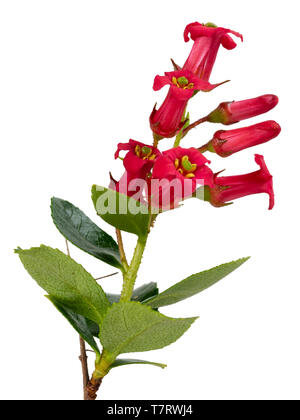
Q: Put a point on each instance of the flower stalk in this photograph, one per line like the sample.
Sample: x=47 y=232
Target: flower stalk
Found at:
x=193 y=125
x=131 y=275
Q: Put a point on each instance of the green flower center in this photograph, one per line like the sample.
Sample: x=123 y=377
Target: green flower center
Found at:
x=182 y=83
x=144 y=152
x=185 y=167
x=210 y=25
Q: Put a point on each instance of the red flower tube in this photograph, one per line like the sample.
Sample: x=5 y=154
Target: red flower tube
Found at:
x=225 y=143
x=167 y=120
x=207 y=41
x=176 y=174
x=232 y=112
x=228 y=188
x=138 y=163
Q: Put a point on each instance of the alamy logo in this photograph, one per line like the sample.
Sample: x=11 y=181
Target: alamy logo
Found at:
x=139 y=196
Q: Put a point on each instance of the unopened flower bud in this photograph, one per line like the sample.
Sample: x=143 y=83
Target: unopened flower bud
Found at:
x=225 y=143
x=232 y=112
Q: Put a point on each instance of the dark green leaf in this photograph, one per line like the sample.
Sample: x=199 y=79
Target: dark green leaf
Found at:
x=133 y=327
x=120 y=211
x=145 y=292
x=193 y=284
x=65 y=280
x=93 y=327
x=123 y=362
x=139 y=295
x=75 y=226
x=79 y=322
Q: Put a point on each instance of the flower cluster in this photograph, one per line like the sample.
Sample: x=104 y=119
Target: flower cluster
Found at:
x=164 y=179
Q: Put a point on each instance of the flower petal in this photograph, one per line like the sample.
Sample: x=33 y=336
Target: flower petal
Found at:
x=160 y=82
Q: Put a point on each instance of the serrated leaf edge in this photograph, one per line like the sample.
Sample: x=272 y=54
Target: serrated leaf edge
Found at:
x=119 y=351
x=165 y=295
x=18 y=251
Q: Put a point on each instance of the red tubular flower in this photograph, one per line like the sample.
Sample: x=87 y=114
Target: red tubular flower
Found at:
x=207 y=41
x=138 y=162
x=140 y=157
x=232 y=112
x=225 y=143
x=167 y=121
x=177 y=172
x=230 y=188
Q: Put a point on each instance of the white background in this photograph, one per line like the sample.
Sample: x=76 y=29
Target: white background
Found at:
x=76 y=78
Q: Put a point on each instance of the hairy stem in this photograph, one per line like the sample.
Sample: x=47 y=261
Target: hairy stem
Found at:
x=131 y=275
x=104 y=362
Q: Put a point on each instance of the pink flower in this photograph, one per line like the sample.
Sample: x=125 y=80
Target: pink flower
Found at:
x=177 y=173
x=207 y=41
x=167 y=121
x=138 y=163
x=225 y=143
x=232 y=112
x=228 y=188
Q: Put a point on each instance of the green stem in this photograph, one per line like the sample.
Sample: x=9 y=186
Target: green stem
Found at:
x=178 y=139
x=104 y=362
x=131 y=275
